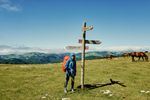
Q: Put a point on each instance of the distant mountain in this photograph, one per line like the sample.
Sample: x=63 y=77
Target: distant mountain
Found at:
x=43 y=58
x=28 y=55
x=31 y=58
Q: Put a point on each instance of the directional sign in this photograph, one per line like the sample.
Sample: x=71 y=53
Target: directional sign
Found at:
x=91 y=41
x=76 y=48
x=87 y=28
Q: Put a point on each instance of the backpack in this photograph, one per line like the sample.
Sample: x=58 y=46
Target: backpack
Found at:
x=66 y=58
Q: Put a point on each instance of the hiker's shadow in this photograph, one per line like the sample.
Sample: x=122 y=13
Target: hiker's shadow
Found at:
x=93 y=86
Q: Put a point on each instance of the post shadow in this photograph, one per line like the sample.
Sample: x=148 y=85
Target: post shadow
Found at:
x=93 y=86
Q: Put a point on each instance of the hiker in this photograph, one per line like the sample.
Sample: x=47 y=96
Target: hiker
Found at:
x=70 y=72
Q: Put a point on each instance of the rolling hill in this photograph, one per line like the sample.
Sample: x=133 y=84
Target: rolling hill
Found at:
x=44 y=58
x=46 y=81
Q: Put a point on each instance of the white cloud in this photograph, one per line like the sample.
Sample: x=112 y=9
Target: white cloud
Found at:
x=20 y=50
x=9 y=6
x=125 y=48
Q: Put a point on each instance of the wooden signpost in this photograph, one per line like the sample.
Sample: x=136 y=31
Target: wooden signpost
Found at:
x=90 y=41
x=83 y=55
x=87 y=28
x=84 y=42
x=83 y=48
x=76 y=48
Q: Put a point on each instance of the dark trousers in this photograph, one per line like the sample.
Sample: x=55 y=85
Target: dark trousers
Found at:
x=67 y=80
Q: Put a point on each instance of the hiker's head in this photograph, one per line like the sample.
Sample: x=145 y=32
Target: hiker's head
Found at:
x=72 y=56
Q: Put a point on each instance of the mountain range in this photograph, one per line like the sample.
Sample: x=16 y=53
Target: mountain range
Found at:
x=28 y=55
x=43 y=58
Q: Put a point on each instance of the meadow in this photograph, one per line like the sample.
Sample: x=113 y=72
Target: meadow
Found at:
x=46 y=81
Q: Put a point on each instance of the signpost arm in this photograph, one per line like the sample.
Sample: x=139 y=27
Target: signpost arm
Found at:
x=83 y=56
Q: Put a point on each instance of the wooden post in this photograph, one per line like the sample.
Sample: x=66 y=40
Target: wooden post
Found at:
x=83 y=56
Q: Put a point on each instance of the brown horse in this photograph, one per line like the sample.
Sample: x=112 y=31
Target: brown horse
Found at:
x=139 y=55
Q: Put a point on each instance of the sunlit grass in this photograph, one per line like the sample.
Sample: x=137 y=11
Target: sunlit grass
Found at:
x=46 y=81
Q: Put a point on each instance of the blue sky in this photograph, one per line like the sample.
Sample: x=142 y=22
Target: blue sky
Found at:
x=57 y=23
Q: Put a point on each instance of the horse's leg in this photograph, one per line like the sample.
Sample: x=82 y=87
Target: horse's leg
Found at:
x=146 y=58
x=143 y=58
x=133 y=59
x=139 y=58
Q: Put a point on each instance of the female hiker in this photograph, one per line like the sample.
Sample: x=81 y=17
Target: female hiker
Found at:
x=70 y=68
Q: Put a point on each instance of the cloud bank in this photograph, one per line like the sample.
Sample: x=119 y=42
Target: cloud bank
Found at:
x=4 y=50
x=126 y=48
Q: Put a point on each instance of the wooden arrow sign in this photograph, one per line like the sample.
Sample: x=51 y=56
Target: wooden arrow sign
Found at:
x=87 y=28
x=76 y=48
x=91 y=41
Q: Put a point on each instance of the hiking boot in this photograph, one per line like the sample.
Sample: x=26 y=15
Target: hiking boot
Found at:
x=65 y=90
x=72 y=90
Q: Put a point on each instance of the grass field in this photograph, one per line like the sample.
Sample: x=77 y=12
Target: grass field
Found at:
x=46 y=81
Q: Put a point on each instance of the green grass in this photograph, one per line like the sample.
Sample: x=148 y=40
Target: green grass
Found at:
x=32 y=82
